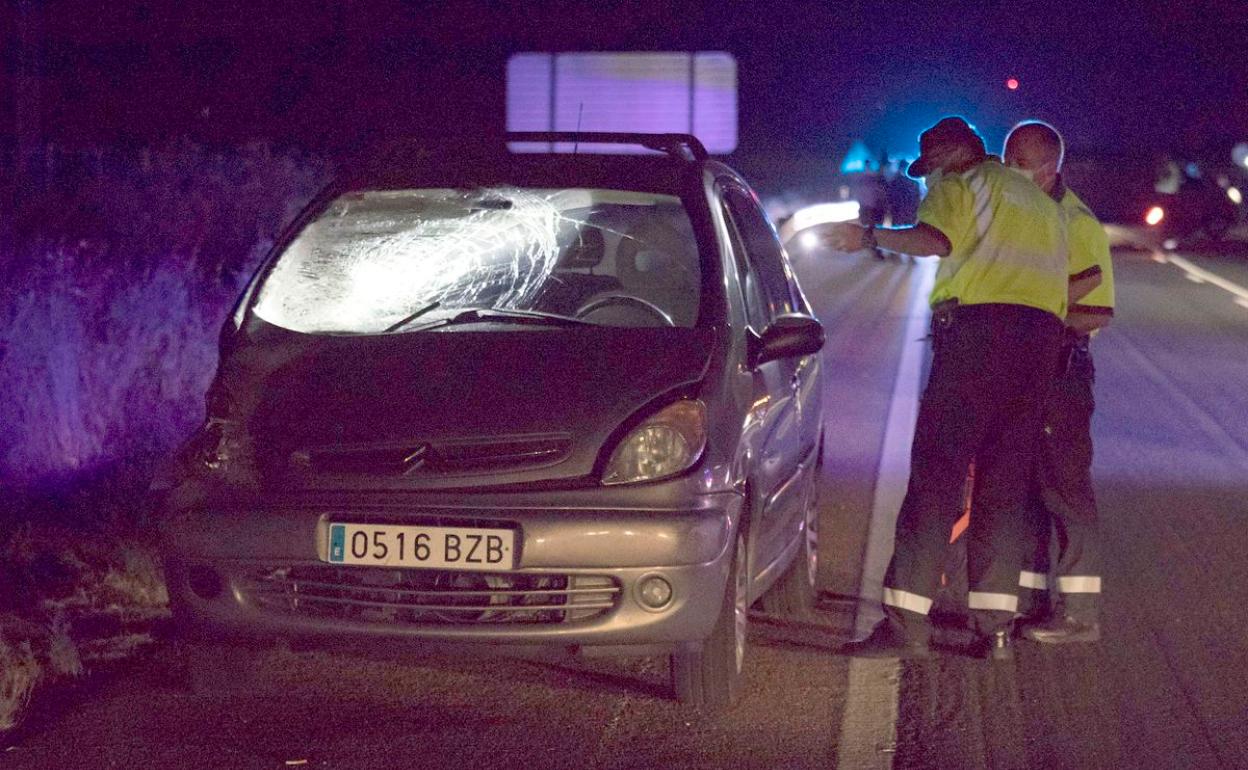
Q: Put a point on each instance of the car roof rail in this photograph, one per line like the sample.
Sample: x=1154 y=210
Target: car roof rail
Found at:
x=684 y=146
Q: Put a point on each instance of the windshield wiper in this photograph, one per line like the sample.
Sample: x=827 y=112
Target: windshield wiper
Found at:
x=473 y=315
x=394 y=327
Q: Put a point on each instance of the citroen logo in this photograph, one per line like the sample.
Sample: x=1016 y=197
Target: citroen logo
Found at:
x=416 y=460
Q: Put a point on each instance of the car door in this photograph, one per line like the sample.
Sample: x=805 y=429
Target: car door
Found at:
x=774 y=475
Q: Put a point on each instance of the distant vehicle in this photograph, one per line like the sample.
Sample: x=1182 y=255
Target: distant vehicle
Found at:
x=544 y=402
x=1183 y=216
x=1191 y=207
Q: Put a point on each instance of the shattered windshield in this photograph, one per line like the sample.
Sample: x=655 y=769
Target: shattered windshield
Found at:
x=400 y=260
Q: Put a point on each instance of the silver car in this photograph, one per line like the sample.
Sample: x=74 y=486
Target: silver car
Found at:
x=545 y=401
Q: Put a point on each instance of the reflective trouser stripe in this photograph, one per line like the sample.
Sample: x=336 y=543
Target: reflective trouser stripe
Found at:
x=904 y=600
x=1036 y=581
x=978 y=600
x=1079 y=584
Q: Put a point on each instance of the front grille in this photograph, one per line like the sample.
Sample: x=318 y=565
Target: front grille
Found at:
x=432 y=597
x=421 y=459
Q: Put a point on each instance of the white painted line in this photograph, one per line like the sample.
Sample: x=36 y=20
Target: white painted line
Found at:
x=869 y=724
x=894 y=468
x=1200 y=275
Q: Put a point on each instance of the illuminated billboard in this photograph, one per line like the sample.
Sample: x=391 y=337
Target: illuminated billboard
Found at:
x=653 y=92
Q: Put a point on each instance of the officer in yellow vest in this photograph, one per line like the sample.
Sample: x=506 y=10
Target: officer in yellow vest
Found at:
x=1062 y=495
x=998 y=302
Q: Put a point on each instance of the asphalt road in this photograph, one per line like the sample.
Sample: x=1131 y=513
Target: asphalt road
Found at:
x=1167 y=686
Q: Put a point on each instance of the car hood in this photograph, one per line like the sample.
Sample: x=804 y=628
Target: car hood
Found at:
x=443 y=409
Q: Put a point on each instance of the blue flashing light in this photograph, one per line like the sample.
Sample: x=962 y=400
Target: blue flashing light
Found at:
x=858 y=159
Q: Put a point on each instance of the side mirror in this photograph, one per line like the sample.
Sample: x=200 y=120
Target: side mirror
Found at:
x=788 y=336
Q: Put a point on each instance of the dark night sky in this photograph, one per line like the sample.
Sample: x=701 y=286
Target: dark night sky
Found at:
x=1125 y=77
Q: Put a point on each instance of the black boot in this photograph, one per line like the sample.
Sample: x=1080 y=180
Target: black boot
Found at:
x=887 y=641
x=1062 y=629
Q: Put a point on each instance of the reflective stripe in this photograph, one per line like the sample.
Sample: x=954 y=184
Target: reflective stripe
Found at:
x=978 y=600
x=1036 y=581
x=1079 y=584
x=904 y=600
x=983 y=202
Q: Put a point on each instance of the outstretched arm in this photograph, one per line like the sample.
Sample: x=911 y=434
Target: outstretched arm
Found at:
x=919 y=240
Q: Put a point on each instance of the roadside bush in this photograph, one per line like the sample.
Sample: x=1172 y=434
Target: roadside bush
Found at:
x=121 y=274
x=115 y=280
x=19 y=673
x=31 y=654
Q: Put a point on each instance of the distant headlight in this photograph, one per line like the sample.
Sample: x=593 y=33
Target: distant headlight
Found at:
x=667 y=443
x=1154 y=216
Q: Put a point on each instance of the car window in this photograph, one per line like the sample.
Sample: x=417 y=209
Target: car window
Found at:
x=375 y=258
x=762 y=249
x=751 y=290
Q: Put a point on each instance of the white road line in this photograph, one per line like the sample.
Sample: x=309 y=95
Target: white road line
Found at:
x=894 y=468
x=869 y=725
x=1200 y=275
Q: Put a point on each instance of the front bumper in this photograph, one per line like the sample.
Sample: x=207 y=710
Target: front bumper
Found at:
x=686 y=545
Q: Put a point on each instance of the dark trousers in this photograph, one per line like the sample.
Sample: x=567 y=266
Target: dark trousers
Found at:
x=991 y=369
x=1062 y=499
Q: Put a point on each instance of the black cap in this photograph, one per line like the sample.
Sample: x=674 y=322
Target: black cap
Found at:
x=951 y=131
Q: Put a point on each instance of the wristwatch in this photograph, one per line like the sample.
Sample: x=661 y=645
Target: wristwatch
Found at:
x=869 y=238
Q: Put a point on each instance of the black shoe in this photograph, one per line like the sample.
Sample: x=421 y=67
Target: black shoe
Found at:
x=885 y=641
x=1062 y=630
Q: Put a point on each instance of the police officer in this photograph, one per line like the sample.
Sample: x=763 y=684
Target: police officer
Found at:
x=998 y=301
x=1062 y=495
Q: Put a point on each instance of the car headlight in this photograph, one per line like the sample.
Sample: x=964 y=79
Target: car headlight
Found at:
x=665 y=444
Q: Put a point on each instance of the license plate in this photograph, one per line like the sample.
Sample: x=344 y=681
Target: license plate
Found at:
x=394 y=545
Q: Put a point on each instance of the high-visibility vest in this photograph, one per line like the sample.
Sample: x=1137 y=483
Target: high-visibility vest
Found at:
x=1007 y=239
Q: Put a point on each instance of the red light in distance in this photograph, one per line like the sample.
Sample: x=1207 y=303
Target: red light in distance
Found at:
x=1012 y=84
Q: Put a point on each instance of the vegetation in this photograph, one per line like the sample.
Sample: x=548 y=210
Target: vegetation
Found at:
x=115 y=279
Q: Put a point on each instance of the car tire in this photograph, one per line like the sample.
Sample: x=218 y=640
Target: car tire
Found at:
x=710 y=678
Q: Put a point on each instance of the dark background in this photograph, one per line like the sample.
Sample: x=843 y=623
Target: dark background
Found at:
x=153 y=150
x=1129 y=79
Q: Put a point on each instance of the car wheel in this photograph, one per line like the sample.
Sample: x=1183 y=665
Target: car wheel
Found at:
x=711 y=677
x=793 y=595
